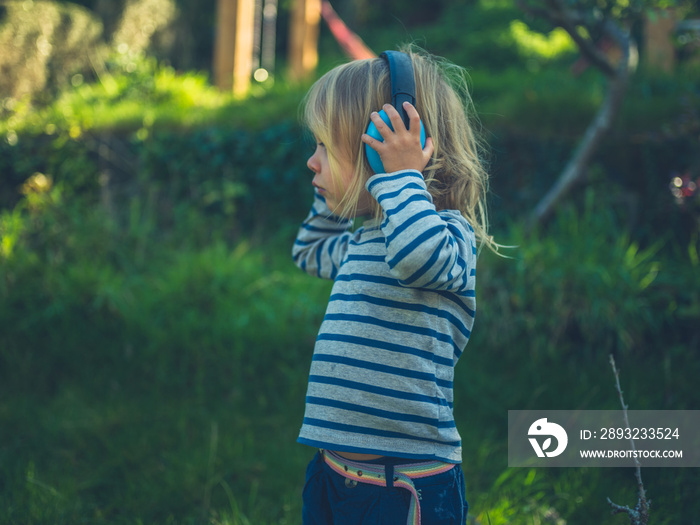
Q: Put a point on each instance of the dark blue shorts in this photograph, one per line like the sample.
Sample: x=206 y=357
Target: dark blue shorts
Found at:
x=329 y=500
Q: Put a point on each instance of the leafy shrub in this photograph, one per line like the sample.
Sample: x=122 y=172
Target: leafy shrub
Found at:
x=632 y=175
x=82 y=299
x=262 y=175
x=221 y=179
x=585 y=287
x=99 y=318
x=582 y=287
x=134 y=92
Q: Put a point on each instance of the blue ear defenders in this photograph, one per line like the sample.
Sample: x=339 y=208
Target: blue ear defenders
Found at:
x=403 y=88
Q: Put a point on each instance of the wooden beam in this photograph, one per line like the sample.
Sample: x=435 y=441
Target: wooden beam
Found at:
x=243 y=56
x=303 y=38
x=233 y=53
x=224 y=44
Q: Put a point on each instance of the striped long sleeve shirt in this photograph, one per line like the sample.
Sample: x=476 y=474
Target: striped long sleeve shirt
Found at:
x=400 y=313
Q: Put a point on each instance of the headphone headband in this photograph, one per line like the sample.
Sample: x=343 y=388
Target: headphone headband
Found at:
x=403 y=83
x=403 y=89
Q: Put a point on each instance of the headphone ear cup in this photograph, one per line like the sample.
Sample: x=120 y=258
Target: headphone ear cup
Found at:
x=375 y=161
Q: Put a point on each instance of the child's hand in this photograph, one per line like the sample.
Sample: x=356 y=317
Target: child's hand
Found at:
x=401 y=149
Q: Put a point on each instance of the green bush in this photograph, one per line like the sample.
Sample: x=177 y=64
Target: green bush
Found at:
x=215 y=179
x=159 y=377
x=144 y=124
x=131 y=93
x=194 y=147
x=81 y=297
x=132 y=351
x=583 y=288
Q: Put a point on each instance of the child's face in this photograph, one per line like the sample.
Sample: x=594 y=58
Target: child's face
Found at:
x=332 y=188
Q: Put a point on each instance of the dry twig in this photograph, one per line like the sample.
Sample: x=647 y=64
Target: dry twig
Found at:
x=640 y=514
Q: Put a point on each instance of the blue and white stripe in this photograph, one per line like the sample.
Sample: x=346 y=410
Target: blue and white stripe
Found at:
x=398 y=319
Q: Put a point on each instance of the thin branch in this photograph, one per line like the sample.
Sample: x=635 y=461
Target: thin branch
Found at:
x=640 y=514
x=596 y=131
x=570 y=19
x=624 y=407
x=576 y=168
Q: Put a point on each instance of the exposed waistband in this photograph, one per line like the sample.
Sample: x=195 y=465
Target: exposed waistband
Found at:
x=388 y=475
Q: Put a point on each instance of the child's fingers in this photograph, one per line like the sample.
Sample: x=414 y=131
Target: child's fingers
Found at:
x=428 y=149
x=414 y=117
x=395 y=118
x=372 y=142
x=384 y=130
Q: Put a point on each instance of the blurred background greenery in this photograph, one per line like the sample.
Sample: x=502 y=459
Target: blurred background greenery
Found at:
x=155 y=336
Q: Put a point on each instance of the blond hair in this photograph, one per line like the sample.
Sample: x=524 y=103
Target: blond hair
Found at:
x=337 y=111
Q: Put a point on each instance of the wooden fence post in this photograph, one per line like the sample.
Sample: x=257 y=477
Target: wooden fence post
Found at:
x=303 y=38
x=233 y=52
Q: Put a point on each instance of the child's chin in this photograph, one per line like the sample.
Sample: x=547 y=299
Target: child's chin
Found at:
x=335 y=207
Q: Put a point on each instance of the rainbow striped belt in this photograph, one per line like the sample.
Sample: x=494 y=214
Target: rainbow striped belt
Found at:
x=388 y=476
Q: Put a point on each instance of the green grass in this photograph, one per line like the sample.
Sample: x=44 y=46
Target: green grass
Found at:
x=143 y=454
x=187 y=414
x=83 y=458
x=151 y=377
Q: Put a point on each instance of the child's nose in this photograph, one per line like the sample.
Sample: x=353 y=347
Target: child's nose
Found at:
x=313 y=163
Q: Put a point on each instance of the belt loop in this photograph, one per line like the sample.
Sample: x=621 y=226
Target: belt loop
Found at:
x=389 y=472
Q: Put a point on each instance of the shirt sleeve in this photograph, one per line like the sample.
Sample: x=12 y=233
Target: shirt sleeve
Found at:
x=425 y=248
x=322 y=241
